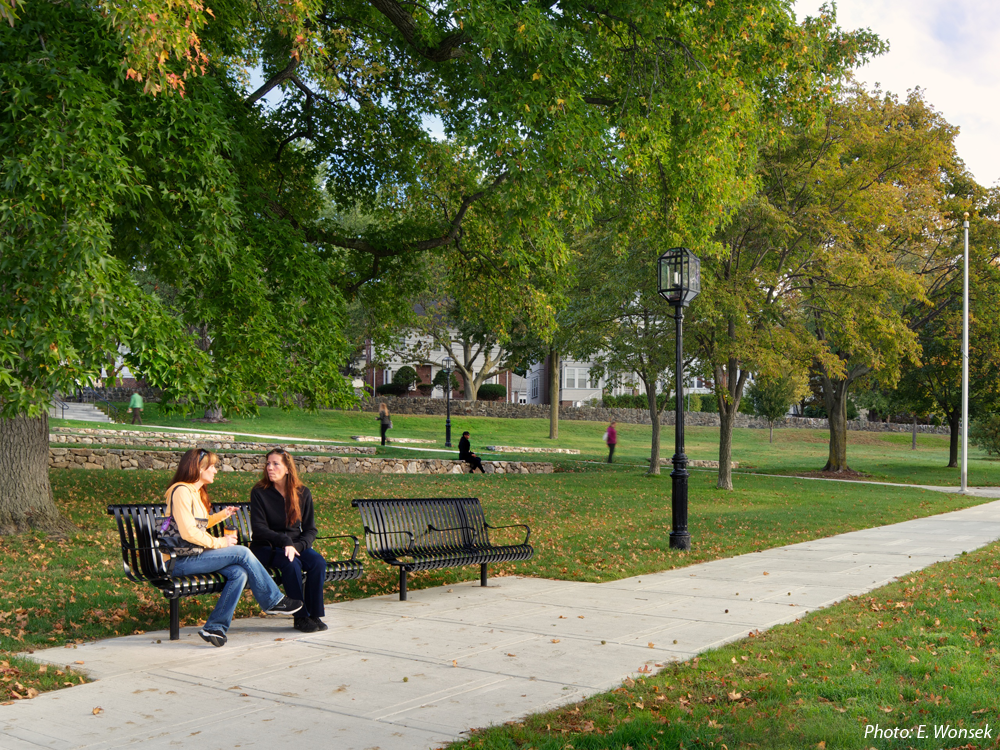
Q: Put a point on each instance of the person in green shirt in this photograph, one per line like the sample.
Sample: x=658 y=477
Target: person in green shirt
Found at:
x=135 y=404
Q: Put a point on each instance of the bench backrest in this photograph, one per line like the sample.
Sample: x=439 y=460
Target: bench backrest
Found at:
x=140 y=558
x=431 y=523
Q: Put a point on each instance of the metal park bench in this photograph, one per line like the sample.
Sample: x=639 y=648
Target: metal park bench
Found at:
x=143 y=561
x=434 y=533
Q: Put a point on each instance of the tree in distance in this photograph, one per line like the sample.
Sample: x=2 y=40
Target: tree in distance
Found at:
x=772 y=395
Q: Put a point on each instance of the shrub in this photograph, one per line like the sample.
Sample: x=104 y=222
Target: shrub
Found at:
x=392 y=389
x=491 y=392
x=441 y=380
x=405 y=376
x=425 y=388
x=710 y=403
x=985 y=433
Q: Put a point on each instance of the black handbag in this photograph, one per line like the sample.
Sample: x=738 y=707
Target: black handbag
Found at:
x=168 y=537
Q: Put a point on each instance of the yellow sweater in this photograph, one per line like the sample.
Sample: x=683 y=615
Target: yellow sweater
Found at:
x=189 y=514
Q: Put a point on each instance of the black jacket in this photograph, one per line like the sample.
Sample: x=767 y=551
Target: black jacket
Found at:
x=268 y=524
x=464 y=449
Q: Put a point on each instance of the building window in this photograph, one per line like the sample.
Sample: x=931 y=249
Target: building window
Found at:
x=575 y=377
x=534 y=388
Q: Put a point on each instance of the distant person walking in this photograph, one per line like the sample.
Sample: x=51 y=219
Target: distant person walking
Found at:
x=385 y=420
x=135 y=404
x=465 y=454
x=611 y=438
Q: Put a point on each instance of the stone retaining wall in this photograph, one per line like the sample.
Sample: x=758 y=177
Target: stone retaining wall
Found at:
x=132 y=460
x=459 y=409
x=168 y=440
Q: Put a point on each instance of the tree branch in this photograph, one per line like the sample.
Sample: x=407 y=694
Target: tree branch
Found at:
x=448 y=48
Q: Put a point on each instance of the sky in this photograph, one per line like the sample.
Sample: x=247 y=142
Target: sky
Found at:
x=948 y=48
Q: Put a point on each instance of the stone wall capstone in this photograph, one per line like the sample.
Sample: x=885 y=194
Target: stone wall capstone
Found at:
x=143 y=439
x=503 y=410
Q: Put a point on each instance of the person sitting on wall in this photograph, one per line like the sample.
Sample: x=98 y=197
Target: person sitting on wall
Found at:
x=465 y=454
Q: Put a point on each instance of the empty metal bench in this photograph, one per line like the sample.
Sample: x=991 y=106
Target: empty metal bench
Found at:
x=143 y=561
x=422 y=534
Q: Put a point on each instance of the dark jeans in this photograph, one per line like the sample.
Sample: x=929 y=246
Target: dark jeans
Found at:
x=385 y=427
x=475 y=462
x=137 y=414
x=311 y=563
x=611 y=452
x=240 y=569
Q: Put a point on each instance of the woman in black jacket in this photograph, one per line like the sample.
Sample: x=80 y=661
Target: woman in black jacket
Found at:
x=284 y=529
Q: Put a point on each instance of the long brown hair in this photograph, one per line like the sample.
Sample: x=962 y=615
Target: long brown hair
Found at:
x=189 y=470
x=293 y=511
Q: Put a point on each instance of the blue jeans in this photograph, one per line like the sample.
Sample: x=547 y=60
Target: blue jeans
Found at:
x=312 y=563
x=240 y=569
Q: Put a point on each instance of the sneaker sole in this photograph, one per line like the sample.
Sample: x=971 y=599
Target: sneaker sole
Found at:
x=216 y=639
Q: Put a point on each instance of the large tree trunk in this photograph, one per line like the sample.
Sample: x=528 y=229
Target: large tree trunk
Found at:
x=835 y=398
x=954 y=429
x=25 y=494
x=654 y=416
x=553 y=394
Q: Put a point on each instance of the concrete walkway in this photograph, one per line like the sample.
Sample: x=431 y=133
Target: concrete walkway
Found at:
x=410 y=675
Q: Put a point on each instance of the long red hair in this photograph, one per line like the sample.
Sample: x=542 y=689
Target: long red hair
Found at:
x=189 y=470
x=293 y=511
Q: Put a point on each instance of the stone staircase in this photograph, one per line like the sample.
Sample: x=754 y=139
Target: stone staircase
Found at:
x=79 y=412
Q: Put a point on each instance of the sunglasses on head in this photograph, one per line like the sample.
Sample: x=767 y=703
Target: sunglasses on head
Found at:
x=201 y=454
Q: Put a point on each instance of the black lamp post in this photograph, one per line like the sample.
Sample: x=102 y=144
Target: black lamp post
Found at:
x=679 y=282
x=447 y=396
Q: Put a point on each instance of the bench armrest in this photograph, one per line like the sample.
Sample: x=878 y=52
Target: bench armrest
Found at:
x=524 y=526
x=354 y=553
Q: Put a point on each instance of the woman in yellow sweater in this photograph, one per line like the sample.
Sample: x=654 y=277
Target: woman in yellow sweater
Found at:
x=187 y=502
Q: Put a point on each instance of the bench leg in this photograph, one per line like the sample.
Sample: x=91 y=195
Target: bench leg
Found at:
x=402 y=584
x=482 y=574
x=175 y=619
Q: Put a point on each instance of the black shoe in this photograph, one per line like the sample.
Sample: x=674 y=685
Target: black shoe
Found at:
x=305 y=624
x=285 y=607
x=320 y=625
x=214 y=637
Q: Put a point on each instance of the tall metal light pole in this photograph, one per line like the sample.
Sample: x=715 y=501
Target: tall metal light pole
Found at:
x=965 y=359
x=679 y=282
x=448 y=361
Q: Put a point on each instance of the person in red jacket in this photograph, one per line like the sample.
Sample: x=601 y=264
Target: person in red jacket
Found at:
x=283 y=531
x=611 y=438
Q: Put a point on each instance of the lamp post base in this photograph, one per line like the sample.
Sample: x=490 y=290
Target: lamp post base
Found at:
x=680 y=540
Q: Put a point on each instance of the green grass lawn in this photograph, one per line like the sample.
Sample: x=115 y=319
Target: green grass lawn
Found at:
x=883 y=456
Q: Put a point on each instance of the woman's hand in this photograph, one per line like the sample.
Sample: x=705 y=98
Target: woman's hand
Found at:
x=230 y=540
x=291 y=552
x=230 y=511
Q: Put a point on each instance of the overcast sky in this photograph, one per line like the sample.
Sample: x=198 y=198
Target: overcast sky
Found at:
x=949 y=48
